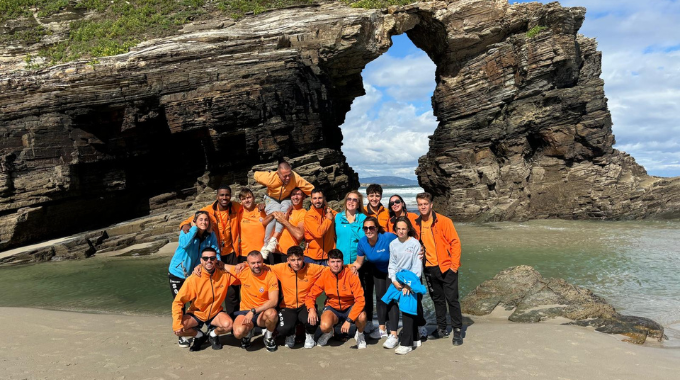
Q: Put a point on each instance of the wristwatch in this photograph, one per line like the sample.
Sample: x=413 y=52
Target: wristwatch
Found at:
x=253 y=311
x=349 y=320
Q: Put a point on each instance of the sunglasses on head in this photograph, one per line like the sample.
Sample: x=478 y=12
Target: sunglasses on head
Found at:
x=395 y=202
x=209 y=258
x=370 y=228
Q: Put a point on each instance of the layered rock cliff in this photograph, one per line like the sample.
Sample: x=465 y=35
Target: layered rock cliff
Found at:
x=524 y=131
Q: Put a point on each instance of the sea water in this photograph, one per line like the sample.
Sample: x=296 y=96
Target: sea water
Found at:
x=634 y=265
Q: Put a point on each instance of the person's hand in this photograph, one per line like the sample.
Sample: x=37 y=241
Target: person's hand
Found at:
x=279 y=216
x=421 y=252
x=329 y=213
x=290 y=211
x=186 y=228
x=179 y=332
x=345 y=327
x=193 y=224
x=397 y=285
x=197 y=270
x=260 y=207
x=405 y=291
x=354 y=269
x=312 y=317
x=239 y=267
x=248 y=318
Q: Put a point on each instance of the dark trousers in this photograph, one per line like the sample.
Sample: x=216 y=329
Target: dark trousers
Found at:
x=277 y=258
x=175 y=284
x=443 y=288
x=366 y=277
x=288 y=319
x=233 y=300
x=385 y=311
x=409 y=331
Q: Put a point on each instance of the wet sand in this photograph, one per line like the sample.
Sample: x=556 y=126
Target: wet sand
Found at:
x=44 y=344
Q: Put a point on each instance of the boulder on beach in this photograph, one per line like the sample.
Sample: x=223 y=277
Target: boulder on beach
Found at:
x=533 y=298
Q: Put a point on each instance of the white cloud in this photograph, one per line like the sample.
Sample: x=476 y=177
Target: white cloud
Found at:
x=410 y=78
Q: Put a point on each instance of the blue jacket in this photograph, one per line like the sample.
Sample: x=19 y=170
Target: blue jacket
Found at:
x=407 y=304
x=188 y=252
x=348 y=235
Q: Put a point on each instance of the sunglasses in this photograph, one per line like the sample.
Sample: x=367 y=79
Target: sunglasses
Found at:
x=396 y=202
x=209 y=258
x=352 y=199
x=370 y=228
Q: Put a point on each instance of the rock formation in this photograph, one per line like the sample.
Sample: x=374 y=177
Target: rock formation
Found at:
x=533 y=299
x=524 y=130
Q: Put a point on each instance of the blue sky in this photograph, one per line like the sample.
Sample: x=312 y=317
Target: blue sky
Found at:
x=387 y=129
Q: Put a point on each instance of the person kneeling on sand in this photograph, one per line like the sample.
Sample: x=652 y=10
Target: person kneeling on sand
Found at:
x=259 y=295
x=344 y=303
x=279 y=185
x=206 y=294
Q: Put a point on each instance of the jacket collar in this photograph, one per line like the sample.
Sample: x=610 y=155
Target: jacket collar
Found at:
x=419 y=219
x=214 y=207
x=369 y=210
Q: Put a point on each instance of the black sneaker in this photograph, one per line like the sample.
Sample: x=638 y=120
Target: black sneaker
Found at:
x=198 y=343
x=457 y=337
x=270 y=344
x=215 y=342
x=245 y=342
x=184 y=342
x=439 y=334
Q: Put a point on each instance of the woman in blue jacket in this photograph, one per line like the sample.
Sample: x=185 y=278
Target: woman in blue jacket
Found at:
x=188 y=252
x=348 y=226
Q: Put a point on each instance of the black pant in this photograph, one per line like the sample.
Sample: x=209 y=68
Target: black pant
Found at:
x=443 y=289
x=385 y=311
x=233 y=300
x=175 y=285
x=277 y=258
x=288 y=319
x=409 y=331
x=366 y=277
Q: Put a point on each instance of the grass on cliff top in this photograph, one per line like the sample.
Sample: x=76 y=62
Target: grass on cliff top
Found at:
x=117 y=25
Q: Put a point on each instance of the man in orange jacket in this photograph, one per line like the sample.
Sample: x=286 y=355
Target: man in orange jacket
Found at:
x=319 y=230
x=224 y=217
x=296 y=278
x=442 y=260
x=279 y=185
x=344 y=300
x=206 y=293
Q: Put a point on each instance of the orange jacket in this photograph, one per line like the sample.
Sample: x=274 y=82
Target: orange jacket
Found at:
x=446 y=241
x=319 y=233
x=275 y=187
x=219 y=227
x=296 y=285
x=206 y=294
x=411 y=217
x=342 y=291
x=382 y=215
x=287 y=240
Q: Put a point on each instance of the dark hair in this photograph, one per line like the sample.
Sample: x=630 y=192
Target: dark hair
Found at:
x=254 y=253
x=244 y=192
x=316 y=190
x=295 y=250
x=297 y=189
x=335 y=254
x=224 y=187
x=374 y=188
x=409 y=226
x=373 y=219
x=426 y=196
x=389 y=206
x=284 y=165
x=209 y=249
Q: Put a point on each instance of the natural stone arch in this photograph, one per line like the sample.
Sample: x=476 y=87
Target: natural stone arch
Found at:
x=519 y=117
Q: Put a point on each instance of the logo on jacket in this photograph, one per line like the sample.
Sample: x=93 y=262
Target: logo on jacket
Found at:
x=261 y=290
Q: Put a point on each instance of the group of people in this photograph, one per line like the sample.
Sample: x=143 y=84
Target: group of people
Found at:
x=250 y=258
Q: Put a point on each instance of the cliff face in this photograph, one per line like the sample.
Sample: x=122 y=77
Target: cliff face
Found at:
x=524 y=129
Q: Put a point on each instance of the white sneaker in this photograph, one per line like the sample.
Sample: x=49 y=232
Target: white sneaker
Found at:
x=422 y=330
x=290 y=341
x=184 y=342
x=309 y=341
x=323 y=339
x=378 y=334
x=361 y=340
x=391 y=341
x=403 y=350
x=271 y=245
x=264 y=251
x=417 y=343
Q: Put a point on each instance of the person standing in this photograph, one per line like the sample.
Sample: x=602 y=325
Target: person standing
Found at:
x=374 y=248
x=404 y=257
x=252 y=224
x=442 y=261
x=294 y=226
x=374 y=194
x=319 y=230
x=279 y=185
x=397 y=208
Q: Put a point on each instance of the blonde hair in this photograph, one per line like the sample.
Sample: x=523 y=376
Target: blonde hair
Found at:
x=360 y=206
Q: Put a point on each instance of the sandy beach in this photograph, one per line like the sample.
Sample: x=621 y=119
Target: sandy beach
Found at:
x=44 y=344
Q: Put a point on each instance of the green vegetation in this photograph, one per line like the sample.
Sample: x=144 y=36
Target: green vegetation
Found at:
x=531 y=33
x=117 y=25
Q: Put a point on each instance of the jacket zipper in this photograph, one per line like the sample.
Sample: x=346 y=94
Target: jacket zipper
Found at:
x=337 y=289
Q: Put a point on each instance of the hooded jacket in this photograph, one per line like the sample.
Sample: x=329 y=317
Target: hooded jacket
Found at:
x=189 y=250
